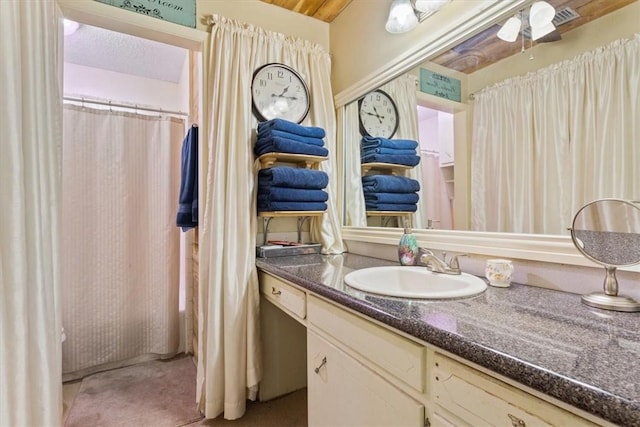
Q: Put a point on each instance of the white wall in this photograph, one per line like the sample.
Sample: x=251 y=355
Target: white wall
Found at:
x=108 y=85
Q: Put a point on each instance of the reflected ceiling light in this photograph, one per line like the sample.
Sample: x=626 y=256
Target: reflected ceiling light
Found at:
x=541 y=14
x=402 y=18
x=429 y=5
x=510 y=30
x=70 y=27
x=541 y=31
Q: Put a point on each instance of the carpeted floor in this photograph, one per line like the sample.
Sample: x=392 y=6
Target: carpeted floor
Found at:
x=156 y=393
x=162 y=393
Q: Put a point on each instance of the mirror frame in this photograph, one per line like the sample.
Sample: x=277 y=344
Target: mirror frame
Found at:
x=532 y=247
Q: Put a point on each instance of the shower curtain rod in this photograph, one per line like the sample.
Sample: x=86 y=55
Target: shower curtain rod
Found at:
x=119 y=105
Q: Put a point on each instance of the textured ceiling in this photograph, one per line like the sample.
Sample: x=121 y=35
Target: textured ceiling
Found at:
x=122 y=53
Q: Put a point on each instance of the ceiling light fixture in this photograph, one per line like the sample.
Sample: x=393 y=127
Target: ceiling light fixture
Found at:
x=540 y=22
x=402 y=18
x=404 y=15
x=70 y=27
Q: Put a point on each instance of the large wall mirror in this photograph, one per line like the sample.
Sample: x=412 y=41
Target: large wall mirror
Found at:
x=504 y=158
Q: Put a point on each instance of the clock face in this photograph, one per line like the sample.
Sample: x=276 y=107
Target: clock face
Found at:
x=278 y=91
x=378 y=115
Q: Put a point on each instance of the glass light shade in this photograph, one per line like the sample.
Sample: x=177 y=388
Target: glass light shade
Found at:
x=402 y=18
x=430 y=5
x=510 y=29
x=541 y=14
x=70 y=26
x=537 y=32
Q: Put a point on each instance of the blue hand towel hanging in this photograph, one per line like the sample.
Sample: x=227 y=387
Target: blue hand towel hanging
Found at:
x=187 y=216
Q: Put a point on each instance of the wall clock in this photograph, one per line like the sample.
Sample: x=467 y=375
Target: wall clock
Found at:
x=278 y=91
x=378 y=114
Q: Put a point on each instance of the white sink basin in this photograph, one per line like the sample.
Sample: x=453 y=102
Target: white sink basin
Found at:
x=414 y=282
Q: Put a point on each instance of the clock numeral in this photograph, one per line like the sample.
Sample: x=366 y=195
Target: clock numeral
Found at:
x=280 y=74
x=263 y=83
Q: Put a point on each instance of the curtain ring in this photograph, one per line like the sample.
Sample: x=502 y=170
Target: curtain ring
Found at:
x=110 y=108
x=82 y=102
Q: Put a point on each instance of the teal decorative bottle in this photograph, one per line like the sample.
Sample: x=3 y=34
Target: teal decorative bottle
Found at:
x=408 y=251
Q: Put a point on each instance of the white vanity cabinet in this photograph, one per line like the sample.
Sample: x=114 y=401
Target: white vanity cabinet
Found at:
x=360 y=372
x=343 y=392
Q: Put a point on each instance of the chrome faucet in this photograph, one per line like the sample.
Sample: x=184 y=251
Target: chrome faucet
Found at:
x=437 y=265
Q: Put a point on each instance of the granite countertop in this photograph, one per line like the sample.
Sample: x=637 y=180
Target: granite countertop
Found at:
x=544 y=339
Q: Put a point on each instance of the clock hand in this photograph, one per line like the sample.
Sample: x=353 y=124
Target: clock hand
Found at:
x=273 y=95
x=378 y=115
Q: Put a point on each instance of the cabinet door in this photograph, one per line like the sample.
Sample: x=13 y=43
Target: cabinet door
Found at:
x=343 y=392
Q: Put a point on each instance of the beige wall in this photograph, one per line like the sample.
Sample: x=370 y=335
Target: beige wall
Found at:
x=360 y=45
x=267 y=16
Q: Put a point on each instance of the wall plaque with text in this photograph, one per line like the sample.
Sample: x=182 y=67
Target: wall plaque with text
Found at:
x=181 y=12
x=439 y=85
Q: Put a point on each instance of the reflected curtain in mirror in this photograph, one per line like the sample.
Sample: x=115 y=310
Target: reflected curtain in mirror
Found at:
x=403 y=92
x=546 y=143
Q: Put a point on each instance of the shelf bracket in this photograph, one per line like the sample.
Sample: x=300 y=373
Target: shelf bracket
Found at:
x=301 y=220
x=265 y=228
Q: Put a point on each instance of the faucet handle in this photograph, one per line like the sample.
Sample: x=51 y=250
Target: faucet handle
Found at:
x=454 y=261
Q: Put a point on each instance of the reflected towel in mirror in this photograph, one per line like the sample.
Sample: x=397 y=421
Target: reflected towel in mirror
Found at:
x=390 y=197
x=389 y=184
x=395 y=207
x=376 y=141
x=400 y=159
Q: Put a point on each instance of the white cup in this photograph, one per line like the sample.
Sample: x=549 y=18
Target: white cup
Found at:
x=499 y=272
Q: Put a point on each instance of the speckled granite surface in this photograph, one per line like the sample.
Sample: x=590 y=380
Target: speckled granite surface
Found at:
x=547 y=340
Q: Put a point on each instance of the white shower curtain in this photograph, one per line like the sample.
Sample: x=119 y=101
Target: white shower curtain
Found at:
x=120 y=282
x=30 y=152
x=546 y=143
x=438 y=203
x=229 y=363
x=403 y=91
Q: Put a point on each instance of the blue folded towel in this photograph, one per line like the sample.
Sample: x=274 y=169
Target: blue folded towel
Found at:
x=282 y=145
x=264 y=206
x=403 y=159
x=268 y=133
x=376 y=141
x=187 y=216
x=385 y=150
x=389 y=184
x=396 y=207
x=391 y=197
x=286 y=125
x=285 y=194
x=285 y=176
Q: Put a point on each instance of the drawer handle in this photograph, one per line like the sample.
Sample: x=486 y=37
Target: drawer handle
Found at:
x=516 y=422
x=274 y=292
x=324 y=362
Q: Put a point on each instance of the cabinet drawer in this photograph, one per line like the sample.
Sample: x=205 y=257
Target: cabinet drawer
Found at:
x=283 y=295
x=481 y=400
x=399 y=356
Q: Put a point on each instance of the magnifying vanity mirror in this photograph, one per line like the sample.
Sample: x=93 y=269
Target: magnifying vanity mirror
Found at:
x=607 y=231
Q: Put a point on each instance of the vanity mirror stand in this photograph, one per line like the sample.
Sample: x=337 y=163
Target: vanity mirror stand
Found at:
x=607 y=231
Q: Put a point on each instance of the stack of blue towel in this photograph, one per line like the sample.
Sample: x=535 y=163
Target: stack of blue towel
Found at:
x=383 y=150
x=390 y=193
x=283 y=136
x=284 y=188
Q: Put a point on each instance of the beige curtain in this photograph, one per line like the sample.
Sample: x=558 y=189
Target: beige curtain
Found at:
x=546 y=143
x=30 y=135
x=229 y=364
x=403 y=91
x=120 y=272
